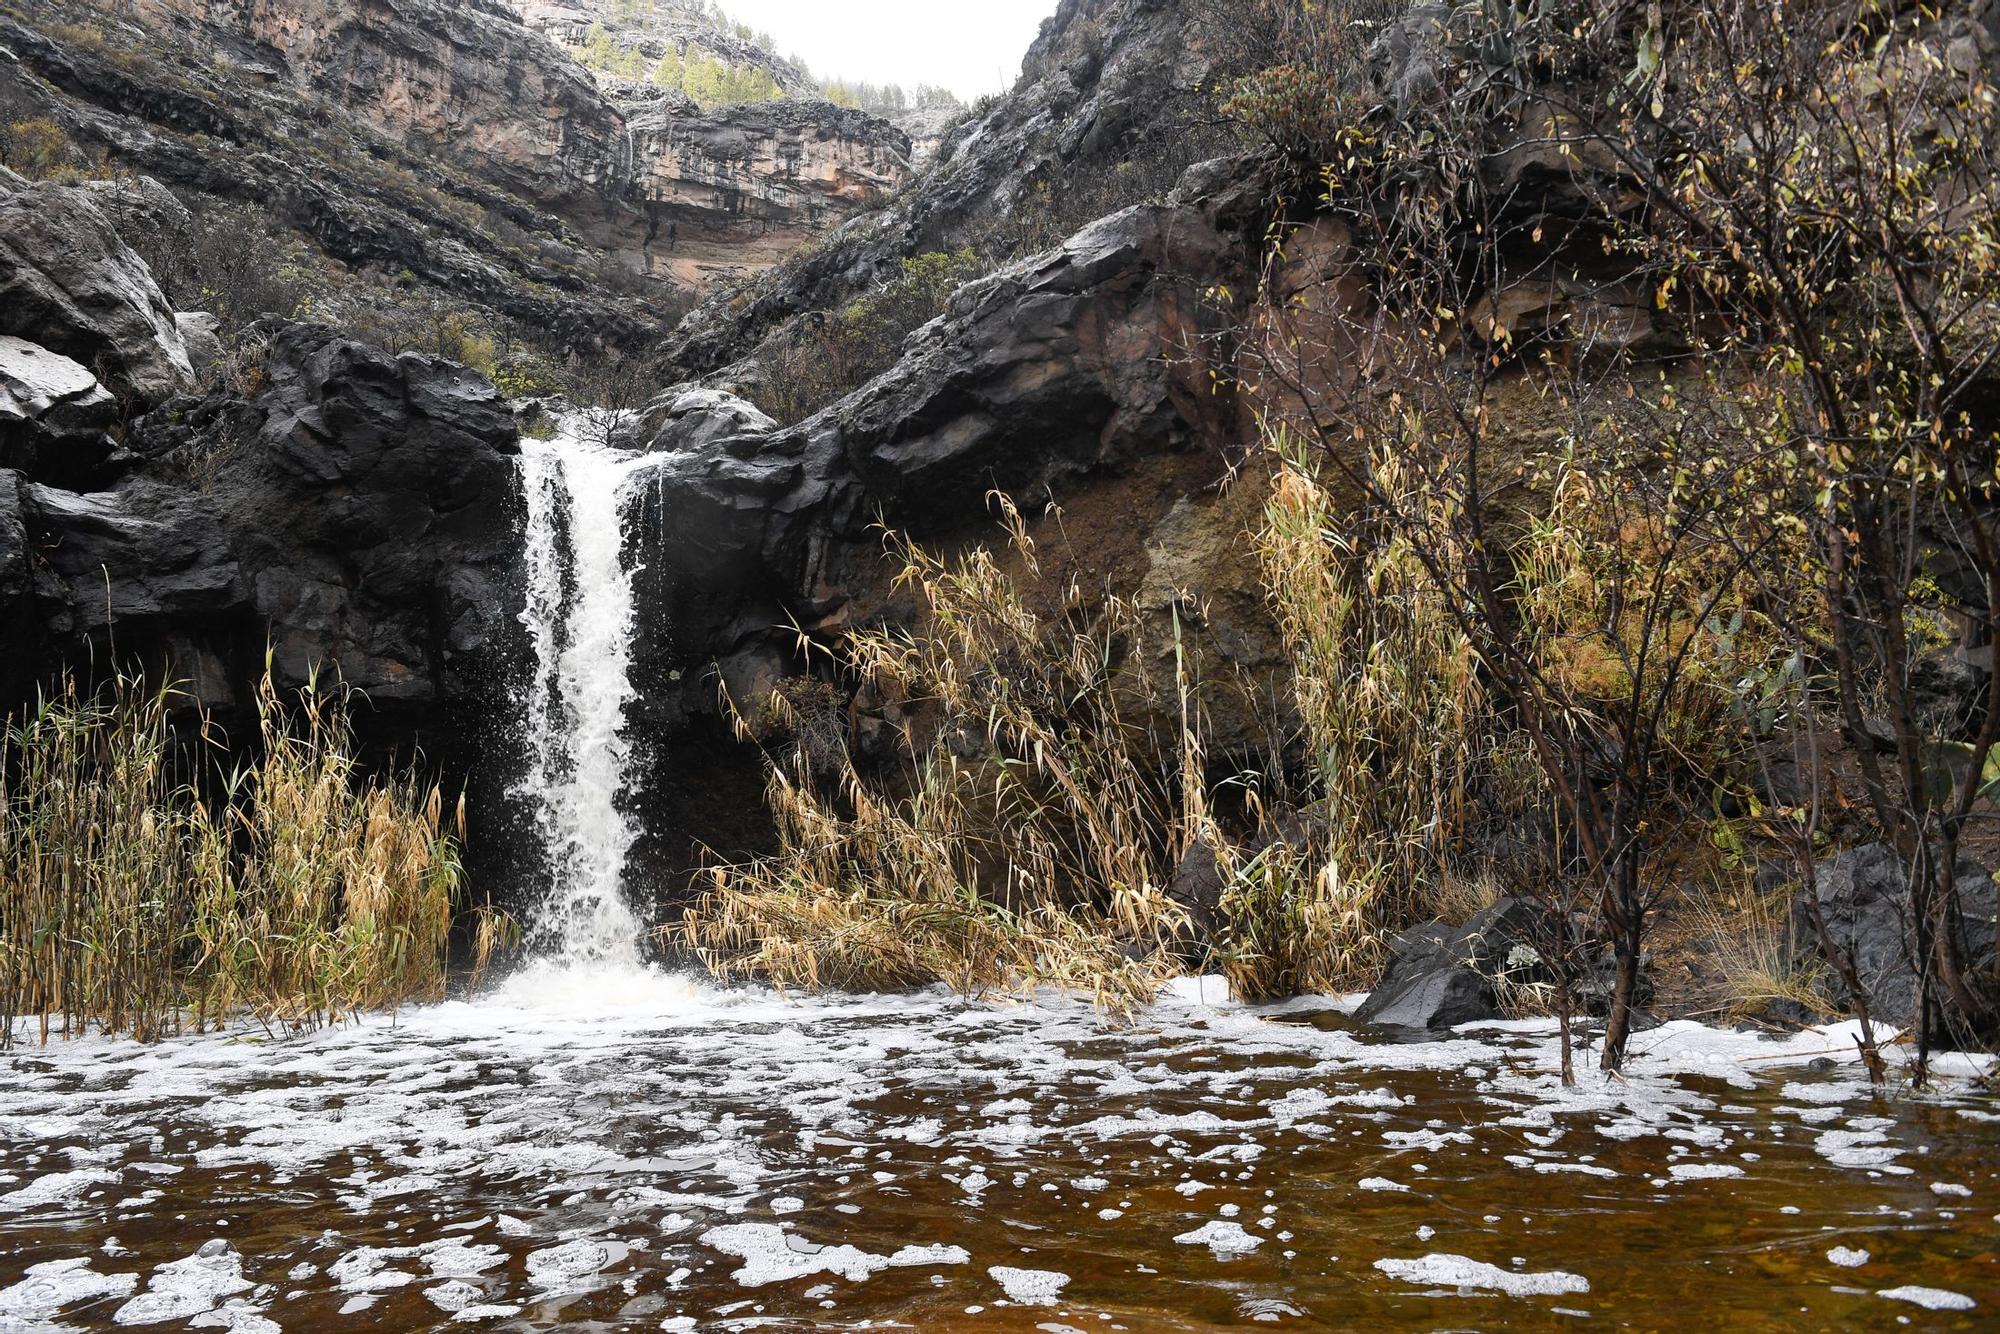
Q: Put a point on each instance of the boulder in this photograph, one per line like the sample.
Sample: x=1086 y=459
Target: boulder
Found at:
x=54 y=415
x=201 y=333
x=357 y=516
x=376 y=507
x=146 y=557
x=1441 y=976
x=70 y=284
x=697 y=418
x=1864 y=897
x=1064 y=365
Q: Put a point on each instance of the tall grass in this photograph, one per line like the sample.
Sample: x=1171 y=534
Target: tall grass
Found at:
x=137 y=898
x=1030 y=833
x=1396 y=726
x=1053 y=783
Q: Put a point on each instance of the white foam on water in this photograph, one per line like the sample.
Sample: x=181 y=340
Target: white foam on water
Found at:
x=771 y=1255
x=1224 y=1238
x=921 y=1257
x=453 y=1297
x=557 y=1269
x=47 y=1288
x=1931 y=1299
x=183 y=1288
x=1847 y=1257
x=1704 y=1171
x=56 y=1188
x=1459 y=1271
x=1029 y=1287
x=238 y=1317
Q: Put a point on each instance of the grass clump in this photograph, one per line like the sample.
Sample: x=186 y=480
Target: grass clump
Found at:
x=1026 y=831
x=137 y=898
x=1747 y=943
x=1396 y=727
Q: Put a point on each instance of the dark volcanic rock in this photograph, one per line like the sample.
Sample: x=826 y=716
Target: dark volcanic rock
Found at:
x=1441 y=976
x=54 y=415
x=1072 y=362
x=19 y=630
x=356 y=517
x=376 y=509
x=70 y=284
x=698 y=418
x=147 y=558
x=1863 y=895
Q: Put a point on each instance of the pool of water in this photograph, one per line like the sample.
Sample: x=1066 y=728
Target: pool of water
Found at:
x=626 y=1150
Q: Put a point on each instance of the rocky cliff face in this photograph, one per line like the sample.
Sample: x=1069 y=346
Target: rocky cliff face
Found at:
x=1109 y=111
x=741 y=187
x=445 y=141
x=350 y=507
x=653 y=31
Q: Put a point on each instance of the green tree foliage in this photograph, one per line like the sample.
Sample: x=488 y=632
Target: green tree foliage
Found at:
x=601 y=52
x=711 y=82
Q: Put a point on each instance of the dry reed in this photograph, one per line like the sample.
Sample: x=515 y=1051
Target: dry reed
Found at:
x=1040 y=811
x=136 y=899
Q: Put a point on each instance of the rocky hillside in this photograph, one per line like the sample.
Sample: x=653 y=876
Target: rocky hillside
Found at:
x=645 y=33
x=435 y=147
x=1132 y=319
x=1113 y=105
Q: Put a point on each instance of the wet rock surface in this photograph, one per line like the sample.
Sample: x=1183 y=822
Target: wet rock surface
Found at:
x=1077 y=361
x=1864 y=898
x=357 y=514
x=1440 y=976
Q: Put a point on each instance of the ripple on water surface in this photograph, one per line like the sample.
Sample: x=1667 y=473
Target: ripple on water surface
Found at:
x=624 y=1149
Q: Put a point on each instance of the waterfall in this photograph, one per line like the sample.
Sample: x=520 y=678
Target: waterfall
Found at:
x=580 y=619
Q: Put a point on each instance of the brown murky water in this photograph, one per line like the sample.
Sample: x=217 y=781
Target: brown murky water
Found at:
x=632 y=1152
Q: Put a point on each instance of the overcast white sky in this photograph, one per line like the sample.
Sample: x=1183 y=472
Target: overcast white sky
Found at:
x=969 y=46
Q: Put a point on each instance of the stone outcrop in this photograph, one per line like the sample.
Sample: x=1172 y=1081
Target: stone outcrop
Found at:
x=445 y=142
x=461 y=77
x=735 y=189
x=1440 y=976
x=55 y=417
x=1104 y=92
x=1864 y=898
x=70 y=284
x=358 y=513
x=1078 y=362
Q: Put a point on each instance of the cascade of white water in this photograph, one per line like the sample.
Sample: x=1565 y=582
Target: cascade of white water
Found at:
x=580 y=618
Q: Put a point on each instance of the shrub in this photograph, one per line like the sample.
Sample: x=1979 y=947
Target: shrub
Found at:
x=1397 y=729
x=38 y=149
x=1029 y=831
x=833 y=355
